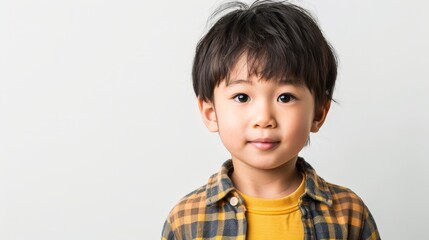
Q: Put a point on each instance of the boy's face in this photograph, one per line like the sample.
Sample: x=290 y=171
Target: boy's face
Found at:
x=263 y=124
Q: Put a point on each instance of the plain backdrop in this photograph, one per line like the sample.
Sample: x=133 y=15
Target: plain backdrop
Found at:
x=100 y=133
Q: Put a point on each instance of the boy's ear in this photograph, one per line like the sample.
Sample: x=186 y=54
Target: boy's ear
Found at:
x=208 y=113
x=320 y=116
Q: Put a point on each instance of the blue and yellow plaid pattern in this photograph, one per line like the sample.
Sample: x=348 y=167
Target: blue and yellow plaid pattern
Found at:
x=212 y=212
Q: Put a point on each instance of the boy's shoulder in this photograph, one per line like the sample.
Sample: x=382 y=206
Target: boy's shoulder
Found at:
x=203 y=207
x=316 y=186
x=336 y=207
x=346 y=199
x=191 y=199
x=332 y=195
x=219 y=185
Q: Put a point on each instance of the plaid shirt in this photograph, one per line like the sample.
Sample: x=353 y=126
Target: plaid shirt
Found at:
x=216 y=211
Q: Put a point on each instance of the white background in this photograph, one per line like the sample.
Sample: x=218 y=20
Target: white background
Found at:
x=100 y=133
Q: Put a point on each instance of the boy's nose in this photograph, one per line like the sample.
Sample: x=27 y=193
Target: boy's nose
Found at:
x=263 y=118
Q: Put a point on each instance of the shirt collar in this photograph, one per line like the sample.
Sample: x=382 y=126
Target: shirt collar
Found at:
x=315 y=186
x=220 y=184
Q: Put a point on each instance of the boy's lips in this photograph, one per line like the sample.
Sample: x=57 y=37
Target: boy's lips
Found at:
x=264 y=143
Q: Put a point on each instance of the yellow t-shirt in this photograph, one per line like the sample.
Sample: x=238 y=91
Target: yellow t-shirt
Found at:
x=274 y=218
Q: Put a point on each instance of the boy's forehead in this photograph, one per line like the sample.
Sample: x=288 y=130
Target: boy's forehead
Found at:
x=240 y=69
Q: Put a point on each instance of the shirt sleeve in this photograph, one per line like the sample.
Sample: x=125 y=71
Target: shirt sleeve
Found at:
x=167 y=232
x=369 y=227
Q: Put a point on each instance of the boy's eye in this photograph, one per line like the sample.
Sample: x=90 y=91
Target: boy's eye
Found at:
x=241 y=98
x=285 y=98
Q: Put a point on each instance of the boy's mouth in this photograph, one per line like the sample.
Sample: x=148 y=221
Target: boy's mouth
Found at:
x=264 y=143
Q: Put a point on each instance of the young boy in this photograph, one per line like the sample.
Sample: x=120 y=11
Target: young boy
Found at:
x=264 y=77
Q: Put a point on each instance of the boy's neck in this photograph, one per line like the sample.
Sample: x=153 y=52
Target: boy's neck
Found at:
x=272 y=183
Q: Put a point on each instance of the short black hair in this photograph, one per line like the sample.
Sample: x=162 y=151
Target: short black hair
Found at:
x=282 y=41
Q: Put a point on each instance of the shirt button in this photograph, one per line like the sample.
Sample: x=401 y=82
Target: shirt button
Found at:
x=233 y=201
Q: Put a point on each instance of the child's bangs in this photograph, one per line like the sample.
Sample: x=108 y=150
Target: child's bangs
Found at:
x=269 y=64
